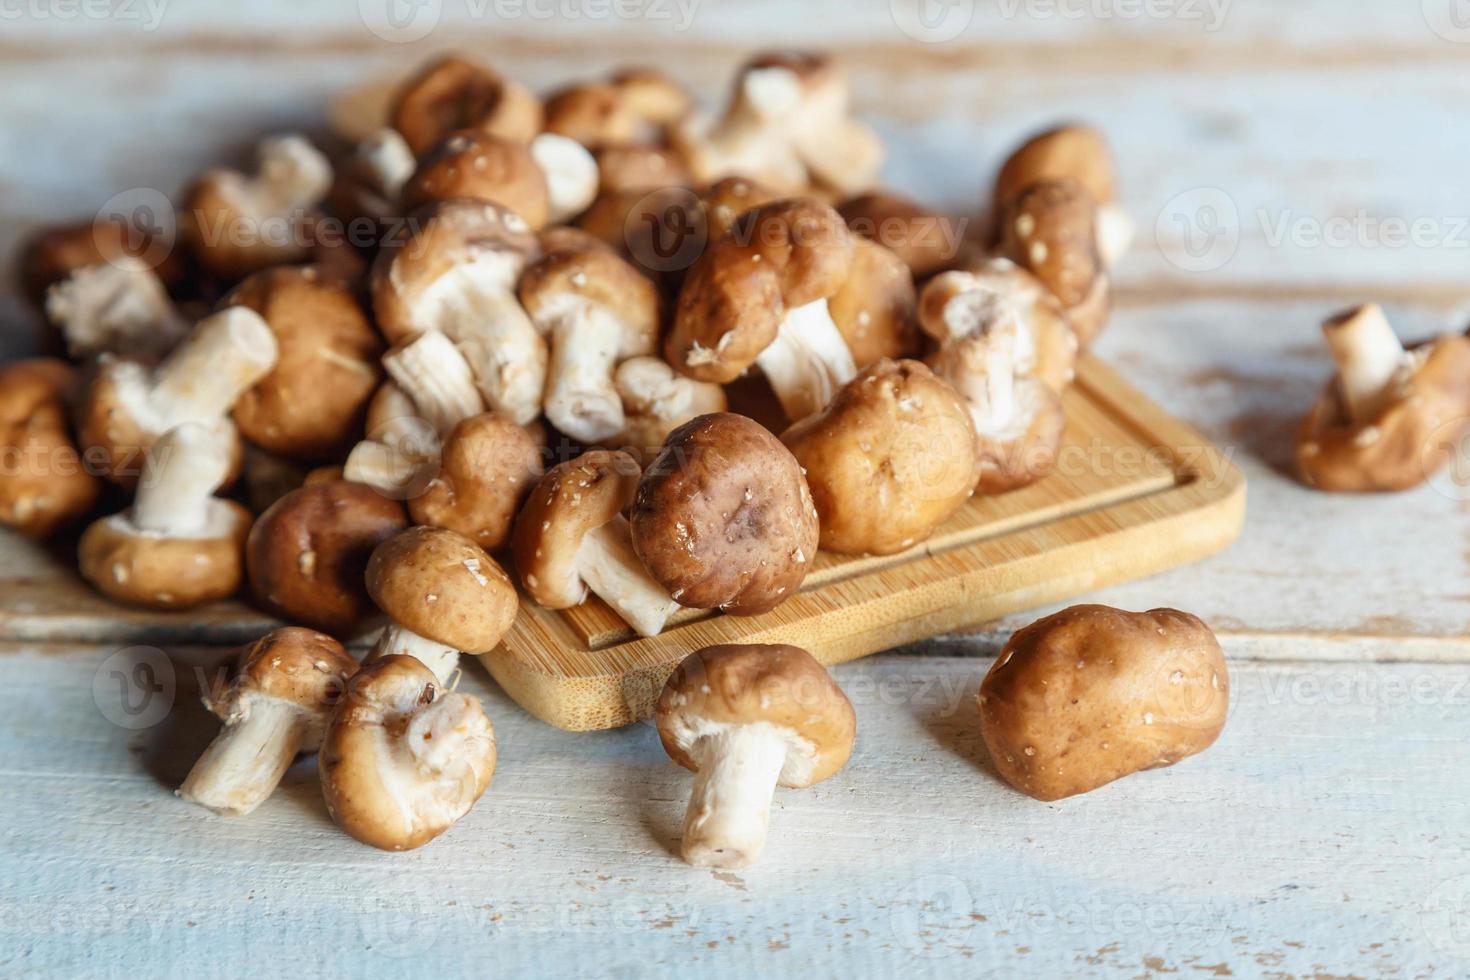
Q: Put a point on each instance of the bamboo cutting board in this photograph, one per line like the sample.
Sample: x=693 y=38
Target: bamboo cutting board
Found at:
x=1136 y=492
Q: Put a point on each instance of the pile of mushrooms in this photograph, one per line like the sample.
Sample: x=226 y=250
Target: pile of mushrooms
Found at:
x=504 y=381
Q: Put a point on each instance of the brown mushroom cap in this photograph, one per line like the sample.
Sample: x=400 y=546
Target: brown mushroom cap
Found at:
x=778 y=257
x=486 y=468
x=927 y=241
x=890 y=459
x=633 y=107
x=875 y=309
x=379 y=726
x=454 y=93
x=444 y=587
x=599 y=276
x=1415 y=434
x=1092 y=694
x=146 y=569
x=311 y=405
x=1073 y=152
x=302 y=667
x=49 y=255
x=443 y=237
x=740 y=684
x=723 y=518
x=307 y=553
x=572 y=499
x=1050 y=228
x=44 y=483
x=639 y=168
x=467 y=164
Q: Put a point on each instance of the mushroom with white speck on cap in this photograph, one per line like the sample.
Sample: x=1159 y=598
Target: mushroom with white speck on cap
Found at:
x=275 y=705
x=403 y=759
x=454 y=92
x=723 y=518
x=1392 y=417
x=178 y=546
x=571 y=537
x=117 y=307
x=635 y=106
x=485 y=469
x=890 y=459
x=746 y=719
x=656 y=401
x=1049 y=229
x=875 y=308
x=45 y=484
x=759 y=296
x=598 y=311
x=444 y=594
x=477 y=166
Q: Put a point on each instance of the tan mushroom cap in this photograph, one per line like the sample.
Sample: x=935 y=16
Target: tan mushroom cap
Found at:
x=45 y=483
x=875 y=309
x=1072 y=152
x=778 y=257
x=740 y=684
x=49 y=255
x=1415 y=434
x=486 y=468
x=307 y=554
x=727 y=200
x=379 y=708
x=454 y=93
x=723 y=518
x=467 y=164
x=639 y=167
x=299 y=666
x=927 y=241
x=311 y=405
x=572 y=499
x=600 y=276
x=146 y=569
x=1050 y=228
x=444 y=587
x=444 y=236
x=633 y=107
x=1091 y=694
x=891 y=458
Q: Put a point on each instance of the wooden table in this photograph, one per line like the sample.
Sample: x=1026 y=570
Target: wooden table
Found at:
x=1328 y=832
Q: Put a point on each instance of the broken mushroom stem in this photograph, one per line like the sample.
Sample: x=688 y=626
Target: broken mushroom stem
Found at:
x=808 y=361
x=586 y=345
x=433 y=372
x=506 y=353
x=730 y=805
x=183 y=471
x=293 y=175
x=245 y=762
x=1370 y=359
x=118 y=307
x=224 y=357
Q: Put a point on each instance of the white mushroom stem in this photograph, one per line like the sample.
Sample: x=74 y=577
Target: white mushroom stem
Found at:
x=245 y=762
x=587 y=342
x=475 y=305
x=730 y=806
x=184 y=469
x=1114 y=233
x=385 y=468
x=608 y=565
x=119 y=307
x=440 y=658
x=571 y=174
x=433 y=372
x=808 y=361
x=1369 y=360
x=387 y=163
x=224 y=357
x=293 y=175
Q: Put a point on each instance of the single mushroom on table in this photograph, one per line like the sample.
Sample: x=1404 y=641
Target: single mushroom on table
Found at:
x=597 y=311
x=746 y=719
x=403 y=759
x=444 y=594
x=275 y=705
x=656 y=401
x=889 y=459
x=989 y=353
x=310 y=406
x=571 y=538
x=1391 y=418
x=485 y=468
x=723 y=518
x=307 y=554
x=118 y=307
x=178 y=546
x=456 y=273
x=759 y=296
x=44 y=484
x=1049 y=229
x=238 y=223
x=788 y=125
x=130 y=404
x=1092 y=694
x=1080 y=153
x=477 y=166
x=453 y=93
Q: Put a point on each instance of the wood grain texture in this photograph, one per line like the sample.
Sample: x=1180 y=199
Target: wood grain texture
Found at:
x=1321 y=836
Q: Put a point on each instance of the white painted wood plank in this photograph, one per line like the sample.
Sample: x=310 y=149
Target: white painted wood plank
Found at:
x=1325 y=834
